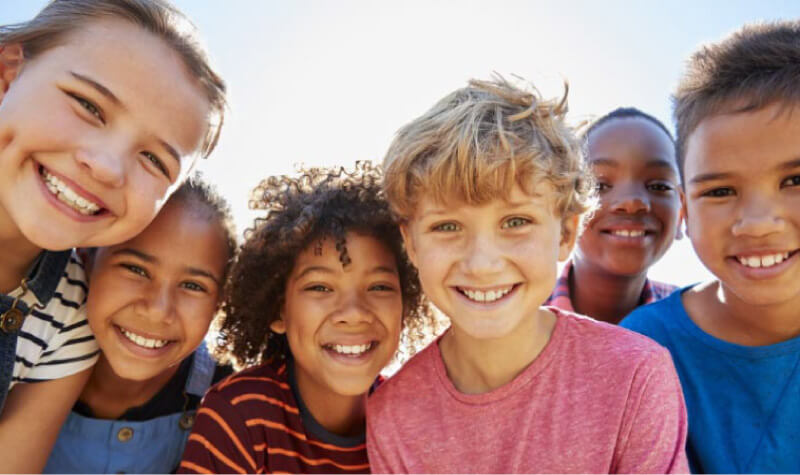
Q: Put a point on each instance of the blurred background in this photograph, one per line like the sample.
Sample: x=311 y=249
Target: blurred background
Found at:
x=324 y=82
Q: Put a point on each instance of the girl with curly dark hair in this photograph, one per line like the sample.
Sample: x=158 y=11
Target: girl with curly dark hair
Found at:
x=318 y=299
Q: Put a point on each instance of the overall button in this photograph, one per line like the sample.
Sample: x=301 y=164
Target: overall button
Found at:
x=125 y=434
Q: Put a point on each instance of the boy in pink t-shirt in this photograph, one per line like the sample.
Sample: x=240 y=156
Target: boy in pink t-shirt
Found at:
x=489 y=187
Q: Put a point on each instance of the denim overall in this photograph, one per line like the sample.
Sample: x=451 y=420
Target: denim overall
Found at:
x=88 y=445
x=41 y=283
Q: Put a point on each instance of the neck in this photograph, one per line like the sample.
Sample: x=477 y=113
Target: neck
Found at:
x=340 y=414
x=110 y=395
x=722 y=314
x=603 y=296
x=16 y=254
x=480 y=365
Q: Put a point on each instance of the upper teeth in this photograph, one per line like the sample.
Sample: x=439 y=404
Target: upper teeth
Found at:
x=763 y=261
x=489 y=296
x=351 y=349
x=142 y=341
x=627 y=233
x=67 y=196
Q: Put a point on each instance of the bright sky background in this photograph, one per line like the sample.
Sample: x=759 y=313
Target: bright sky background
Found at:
x=329 y=82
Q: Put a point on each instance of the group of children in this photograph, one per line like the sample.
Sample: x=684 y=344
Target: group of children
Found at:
x=116 y=262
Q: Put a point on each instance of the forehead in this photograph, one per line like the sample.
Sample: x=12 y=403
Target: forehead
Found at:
x=181 y=236
x=539 y=193
x=143 y=71
x=633 y=133
x=749 y=142
x=363 y=250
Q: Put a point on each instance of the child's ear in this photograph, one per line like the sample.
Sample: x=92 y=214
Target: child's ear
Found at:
x=569 y=234
x=11 y=59
x=408 y=241
x=681 y=216
x=278 y=325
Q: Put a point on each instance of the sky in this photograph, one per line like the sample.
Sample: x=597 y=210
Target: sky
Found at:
x=324 y=82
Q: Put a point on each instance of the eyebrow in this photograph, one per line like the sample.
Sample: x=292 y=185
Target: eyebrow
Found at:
x=723 y=175
x=171 y=150
x=202 y=273
x=327 y=270
x=105 y=92
x=136 y=253
x=98 y=87
x=653 y=163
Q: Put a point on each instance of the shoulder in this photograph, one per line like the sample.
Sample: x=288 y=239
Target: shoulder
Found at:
x=269 y=379
x=416 y=376
x=600 y=344
x=658 y=317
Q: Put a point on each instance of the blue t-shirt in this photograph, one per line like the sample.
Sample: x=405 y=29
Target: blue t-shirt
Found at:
x=743 y=401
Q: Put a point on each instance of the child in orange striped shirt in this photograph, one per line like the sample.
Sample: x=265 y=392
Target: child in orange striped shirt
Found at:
x=326 y=274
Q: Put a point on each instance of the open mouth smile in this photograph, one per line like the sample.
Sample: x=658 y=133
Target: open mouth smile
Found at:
x=487 y=296
x=764 y=260
x=142 y=341
x=64 y=193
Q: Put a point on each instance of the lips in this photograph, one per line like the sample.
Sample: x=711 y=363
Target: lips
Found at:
x=70 y=194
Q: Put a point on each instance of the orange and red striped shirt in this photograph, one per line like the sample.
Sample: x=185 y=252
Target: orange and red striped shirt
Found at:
x=255 y=422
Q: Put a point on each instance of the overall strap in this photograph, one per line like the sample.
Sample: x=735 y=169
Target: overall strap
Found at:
x=202 y=372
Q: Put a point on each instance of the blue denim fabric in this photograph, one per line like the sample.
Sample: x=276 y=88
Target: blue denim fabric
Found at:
x=42 y=281
x=89 y=445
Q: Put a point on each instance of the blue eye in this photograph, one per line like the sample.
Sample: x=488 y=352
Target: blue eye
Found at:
x=447 y=227
x=515 y=222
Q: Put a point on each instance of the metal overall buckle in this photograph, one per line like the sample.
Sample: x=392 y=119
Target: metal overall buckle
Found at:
x=11 y=320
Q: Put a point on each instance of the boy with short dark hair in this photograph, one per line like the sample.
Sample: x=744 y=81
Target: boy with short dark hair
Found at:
x=489 y=186
x=736 y=340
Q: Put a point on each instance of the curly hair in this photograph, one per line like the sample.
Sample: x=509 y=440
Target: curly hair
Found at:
x=477 y=142
x=318 y=203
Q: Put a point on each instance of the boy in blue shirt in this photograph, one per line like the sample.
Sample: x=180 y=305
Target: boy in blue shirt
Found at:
x=736 y=340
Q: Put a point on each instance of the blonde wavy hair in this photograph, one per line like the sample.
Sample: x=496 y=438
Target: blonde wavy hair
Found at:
x=473 y=145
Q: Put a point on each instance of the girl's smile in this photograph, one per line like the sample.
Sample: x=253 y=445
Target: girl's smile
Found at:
x=91 y=146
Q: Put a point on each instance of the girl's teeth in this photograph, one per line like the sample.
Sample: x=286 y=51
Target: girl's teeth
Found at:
x=763 y=261
x=351 y=349
x=142 y=341
x=67 y=196
x=627 y=233
x=489 y=296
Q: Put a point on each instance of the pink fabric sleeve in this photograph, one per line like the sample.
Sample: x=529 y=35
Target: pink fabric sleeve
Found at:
x=653 y=434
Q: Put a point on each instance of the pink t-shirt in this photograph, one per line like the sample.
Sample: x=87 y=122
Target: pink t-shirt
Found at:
x=598 y=399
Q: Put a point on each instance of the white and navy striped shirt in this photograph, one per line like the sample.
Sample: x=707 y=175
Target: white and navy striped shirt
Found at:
x=56 y=341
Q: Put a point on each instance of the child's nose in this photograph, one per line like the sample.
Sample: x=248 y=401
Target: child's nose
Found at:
x=157 y=304
x=758 y=216
x=105 y=166
x=353 y=310
x=483 y=257
x=630 y=199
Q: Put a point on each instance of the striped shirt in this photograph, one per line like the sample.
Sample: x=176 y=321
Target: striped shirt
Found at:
x=651 y=292
x=56 y=341
x=255 y=422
